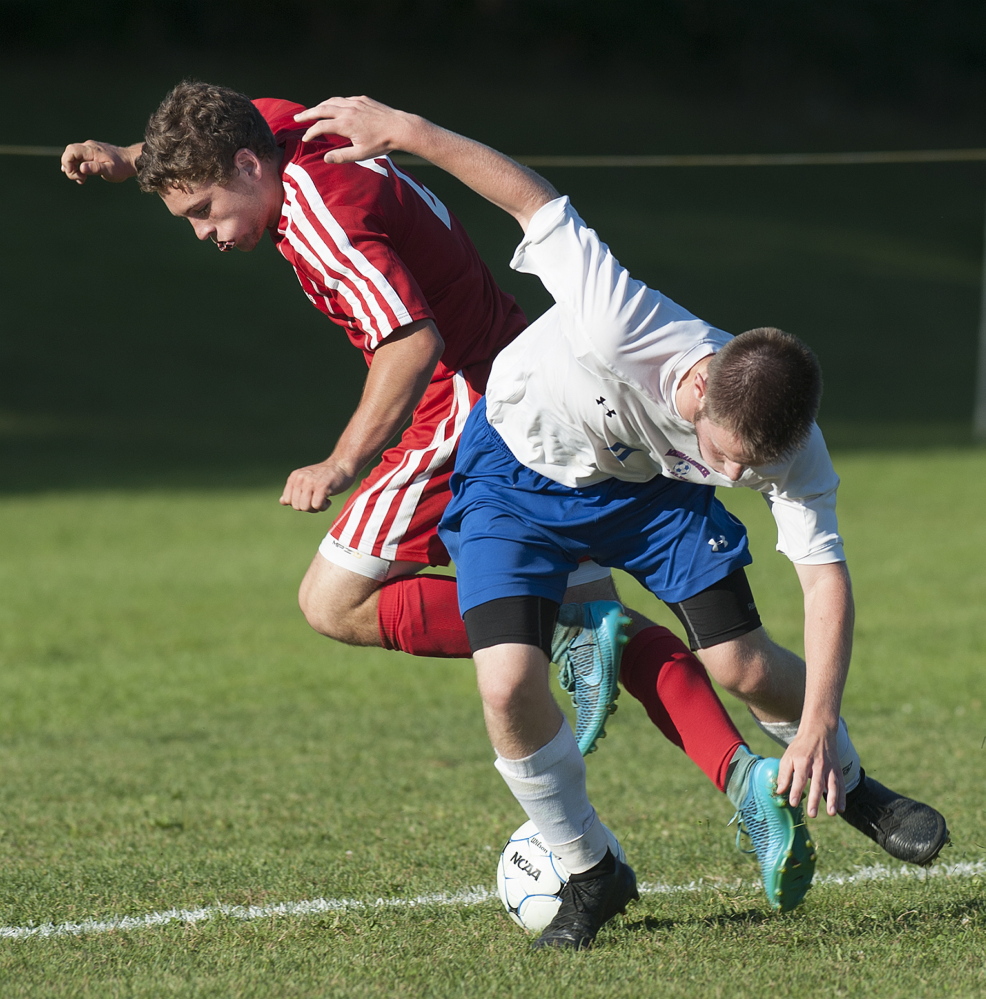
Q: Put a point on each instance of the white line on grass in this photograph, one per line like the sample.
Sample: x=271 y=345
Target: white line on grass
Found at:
x=470 y=896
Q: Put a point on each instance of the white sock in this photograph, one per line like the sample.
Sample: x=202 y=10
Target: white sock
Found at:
x=784 y=732
x=848 y=757
x=781 y=732
x=550 y=786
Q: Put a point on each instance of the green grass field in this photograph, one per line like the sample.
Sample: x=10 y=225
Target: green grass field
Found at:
x=174 y=737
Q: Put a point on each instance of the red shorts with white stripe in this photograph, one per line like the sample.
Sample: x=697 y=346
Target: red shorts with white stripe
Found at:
x=394 y=512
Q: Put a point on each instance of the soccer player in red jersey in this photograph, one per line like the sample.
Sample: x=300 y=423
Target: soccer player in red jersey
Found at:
x=382 y=257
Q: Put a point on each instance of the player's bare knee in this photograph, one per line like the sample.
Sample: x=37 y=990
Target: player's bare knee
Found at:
x=320 y=616
x=326 y=614
x=510 y=678
x=739 y=667
x=339 y=604
x=748 y=684
x=504 y=697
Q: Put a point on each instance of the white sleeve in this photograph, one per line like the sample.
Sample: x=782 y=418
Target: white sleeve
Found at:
x=802 y=500
x=633 y=330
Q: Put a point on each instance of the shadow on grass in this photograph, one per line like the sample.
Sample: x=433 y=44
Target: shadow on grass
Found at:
x=958 y=914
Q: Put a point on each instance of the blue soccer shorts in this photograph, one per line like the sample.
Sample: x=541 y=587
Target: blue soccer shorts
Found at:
x=513 y=532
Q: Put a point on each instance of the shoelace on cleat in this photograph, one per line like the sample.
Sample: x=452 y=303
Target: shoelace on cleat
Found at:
x=576 y=658
x=760 y=837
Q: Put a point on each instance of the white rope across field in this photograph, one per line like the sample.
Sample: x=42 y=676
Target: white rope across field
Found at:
x=751 y=159
x=30 y=151
x=469 y=896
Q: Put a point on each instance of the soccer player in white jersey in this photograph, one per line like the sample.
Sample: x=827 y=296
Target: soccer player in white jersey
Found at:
x=382 y=258
x=605 y=425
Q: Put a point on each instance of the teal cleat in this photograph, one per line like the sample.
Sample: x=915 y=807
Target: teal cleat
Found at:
x=587 y=646
x=779 y=835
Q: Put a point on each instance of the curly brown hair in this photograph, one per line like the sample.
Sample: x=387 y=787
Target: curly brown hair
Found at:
x=194 y=135
x=765 y=386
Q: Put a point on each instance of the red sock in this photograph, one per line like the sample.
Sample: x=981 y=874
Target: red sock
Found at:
x=673 y=686
x=420 y=615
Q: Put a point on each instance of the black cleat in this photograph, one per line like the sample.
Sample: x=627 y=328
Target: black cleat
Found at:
x=586 y=906
x=908 y=830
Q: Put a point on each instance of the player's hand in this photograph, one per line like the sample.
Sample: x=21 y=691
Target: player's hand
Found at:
x=82 y=160
x=308 y=489
x=812 y=756
x=373 y=128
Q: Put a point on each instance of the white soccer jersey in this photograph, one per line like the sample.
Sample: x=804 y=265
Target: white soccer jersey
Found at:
x=587 y=392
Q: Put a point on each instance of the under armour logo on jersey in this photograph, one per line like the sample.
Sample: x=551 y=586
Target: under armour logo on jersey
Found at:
x=622 y=451
x=718 y=544
x=601 y=401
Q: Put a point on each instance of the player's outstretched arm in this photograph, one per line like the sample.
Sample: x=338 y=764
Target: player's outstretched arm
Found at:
x=375 y=129
x=82 y=160
x=829 y=617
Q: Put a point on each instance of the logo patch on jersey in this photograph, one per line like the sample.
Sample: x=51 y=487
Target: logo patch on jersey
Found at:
x=718 y=544
x=622 y=451
x=681 y=469
x=674 y=453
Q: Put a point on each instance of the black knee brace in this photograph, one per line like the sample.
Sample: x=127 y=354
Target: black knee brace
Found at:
x=721 y=612
x=523 y=620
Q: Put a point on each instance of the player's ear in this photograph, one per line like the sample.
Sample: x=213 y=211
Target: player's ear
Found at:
x=248 y=163
x=700 y=386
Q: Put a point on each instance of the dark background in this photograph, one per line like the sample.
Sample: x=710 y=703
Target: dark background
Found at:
x=130 y=354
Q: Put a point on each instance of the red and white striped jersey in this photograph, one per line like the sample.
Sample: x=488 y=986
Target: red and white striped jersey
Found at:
x=375 y=250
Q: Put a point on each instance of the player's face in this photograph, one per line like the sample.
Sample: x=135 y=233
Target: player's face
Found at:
x=233 y=215
x=721 y=449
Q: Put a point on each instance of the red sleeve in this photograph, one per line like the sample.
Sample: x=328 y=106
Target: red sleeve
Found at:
x=343 y=248
x=375 y=250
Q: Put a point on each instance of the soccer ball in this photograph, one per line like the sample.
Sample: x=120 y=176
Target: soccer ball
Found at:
x=529 y=877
